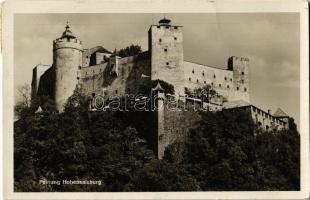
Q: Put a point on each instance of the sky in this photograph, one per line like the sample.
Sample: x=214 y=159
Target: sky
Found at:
x=269 y=40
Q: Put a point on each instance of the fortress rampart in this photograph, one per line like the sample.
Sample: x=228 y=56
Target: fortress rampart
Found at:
x=98 y=71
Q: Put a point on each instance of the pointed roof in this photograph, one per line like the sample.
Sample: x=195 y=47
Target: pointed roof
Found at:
x=67 y=33
x=280 y=113
x=38 y=110
x=158 y=87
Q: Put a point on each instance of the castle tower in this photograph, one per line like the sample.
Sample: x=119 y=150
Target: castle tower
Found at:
x=241 y=79
x=67 y=59
x=166 y=48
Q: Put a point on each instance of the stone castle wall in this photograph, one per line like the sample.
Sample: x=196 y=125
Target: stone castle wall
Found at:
x=109 y=80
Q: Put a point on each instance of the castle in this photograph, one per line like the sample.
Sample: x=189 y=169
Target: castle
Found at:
x=98 y=71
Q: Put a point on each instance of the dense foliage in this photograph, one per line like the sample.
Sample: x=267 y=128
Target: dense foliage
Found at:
x=129 y=51
x=225 y=152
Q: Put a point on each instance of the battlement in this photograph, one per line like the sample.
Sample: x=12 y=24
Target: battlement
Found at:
x=67 y=43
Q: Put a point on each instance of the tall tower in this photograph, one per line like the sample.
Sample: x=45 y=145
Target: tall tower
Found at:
x=241 y=79
x=67 y=59
x=166 y=48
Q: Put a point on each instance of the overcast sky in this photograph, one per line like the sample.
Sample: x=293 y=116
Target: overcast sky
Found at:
x=270 y=41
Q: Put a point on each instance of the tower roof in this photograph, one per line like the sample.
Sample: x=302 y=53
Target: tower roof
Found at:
x=158 y=87
x=67 y=33
x=164 y=21
x=280 y=113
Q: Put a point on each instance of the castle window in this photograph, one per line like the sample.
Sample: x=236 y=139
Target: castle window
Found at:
x=203 y=74
x=85 y=73
x=245 y=89
x=165 y=50
x=197 y=81
x=212 y=84
x=214 y=76
x=86 y=56
x=159 y=40
x=237 y=88
x=267 y=127
x=227 y=86
x=242 y=81
x=193 y=71
x=158 y=26
x=175 y=38
x=175 y=27
x=167 y=27
x=231 y=79
x=167 y=63
x=116 y=91
x=128 y=89
x=189 y=79
x=220 y=85
x=78 y=78
x=80 y=67
x=225 y=78
x=242 y=73
x=204 y=82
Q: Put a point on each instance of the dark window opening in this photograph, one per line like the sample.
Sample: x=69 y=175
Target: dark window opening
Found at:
x=193 y=71
x=211 y=83
x=93 y=95
x=242 y=81
x=116 y=91
x=242 y=73
x=167 y=27
x=159 y=40
x=175 y=27
x=167 y=63
x=78 y=78
x=214 y=76
x=231 y=79
x=225 y=78
x=220 y=85
x=227 y=86
x=189 y=79
x=197 y=81
x=259 y=123
x=237 y=88
x=203 y=74
x=175 y=38
x=267 y=127
x=158 y=26
x=245 y=89
x=204 y=82
x=128 y=89
x=80 y=67
x=165 y=50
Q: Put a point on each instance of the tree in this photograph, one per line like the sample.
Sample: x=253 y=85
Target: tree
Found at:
x=129 y=51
